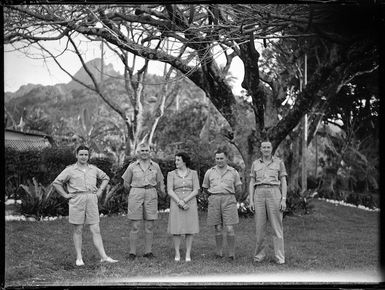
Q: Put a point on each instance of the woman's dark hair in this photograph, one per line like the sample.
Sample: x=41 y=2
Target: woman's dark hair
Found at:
x=82 y=147
x=185 y=157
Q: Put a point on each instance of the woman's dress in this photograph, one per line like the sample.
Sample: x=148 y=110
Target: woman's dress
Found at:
x=182 y=221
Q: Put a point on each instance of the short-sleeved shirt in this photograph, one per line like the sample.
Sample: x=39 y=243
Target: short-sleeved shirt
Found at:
x=269 y=173
x=80 y=179
x=217 y=182
x=135 y=176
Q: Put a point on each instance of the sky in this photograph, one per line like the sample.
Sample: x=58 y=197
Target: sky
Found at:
x=20 y=69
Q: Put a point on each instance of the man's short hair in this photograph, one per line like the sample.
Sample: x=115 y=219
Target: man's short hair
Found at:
x=266 y=141
x=141 y=146
x=223 y=150
x=82 y=147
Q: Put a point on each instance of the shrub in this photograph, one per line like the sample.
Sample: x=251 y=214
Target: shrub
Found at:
x=353 y=199
x=202 y=200
x=54 y=160
x=104 y=164
x=312 y=182
x=368 y=201
x=357 y=199
x=113 y=200
x=331 y=194
x=11 y=186
x=297 y=203
x=24 y=164
x=244 y=210
x=39 y=201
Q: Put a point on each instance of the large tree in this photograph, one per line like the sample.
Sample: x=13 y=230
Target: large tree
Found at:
x=346 y=45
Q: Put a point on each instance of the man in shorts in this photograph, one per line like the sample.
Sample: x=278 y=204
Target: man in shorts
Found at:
x=81 y=191
x=221 y=183
x=142 y=178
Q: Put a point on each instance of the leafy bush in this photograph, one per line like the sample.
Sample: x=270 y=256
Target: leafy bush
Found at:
x=202 y=200
x=39 y=201
x=331 y=194
x=54 y=160
x=104 y=164
x=366 y=200
x=244 y=210
x=11 y=186
x=312 y=182
x=23 y=164
x=113 y=200
x=297 y=203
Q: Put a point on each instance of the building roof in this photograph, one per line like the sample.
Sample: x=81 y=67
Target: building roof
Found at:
x=26 y=140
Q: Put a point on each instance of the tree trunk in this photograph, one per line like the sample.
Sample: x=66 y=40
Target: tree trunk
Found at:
x=330 y=179
x=294 y=165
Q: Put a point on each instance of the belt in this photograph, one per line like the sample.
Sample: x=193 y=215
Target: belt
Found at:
x=221 y=193
x=145 y=187
x=266 y=185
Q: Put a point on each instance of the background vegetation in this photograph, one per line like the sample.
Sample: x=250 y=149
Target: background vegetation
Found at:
x=195 y=108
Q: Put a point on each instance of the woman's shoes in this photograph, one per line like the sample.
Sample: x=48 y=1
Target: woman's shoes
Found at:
x=177 y=259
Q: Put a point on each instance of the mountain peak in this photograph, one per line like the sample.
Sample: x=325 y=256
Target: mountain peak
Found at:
x=96 y=68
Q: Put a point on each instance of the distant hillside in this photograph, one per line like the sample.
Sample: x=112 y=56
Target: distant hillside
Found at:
x=68 y=100
x=23 y=90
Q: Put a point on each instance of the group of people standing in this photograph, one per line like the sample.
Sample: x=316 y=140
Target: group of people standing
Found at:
x=144 y=181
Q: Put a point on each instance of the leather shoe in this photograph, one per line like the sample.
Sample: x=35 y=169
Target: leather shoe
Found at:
x=131 y=257
x=149 y=255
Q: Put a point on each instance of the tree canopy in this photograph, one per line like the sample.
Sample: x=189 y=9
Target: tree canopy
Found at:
x=341 y=43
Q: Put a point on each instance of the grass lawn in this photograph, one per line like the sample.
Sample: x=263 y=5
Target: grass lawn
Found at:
x=334 y=241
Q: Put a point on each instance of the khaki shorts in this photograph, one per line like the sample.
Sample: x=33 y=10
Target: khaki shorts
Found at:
x=83 y=209
x=142 y=204
x=222 y=210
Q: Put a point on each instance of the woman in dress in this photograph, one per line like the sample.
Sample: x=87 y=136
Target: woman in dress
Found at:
x=182 y=187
